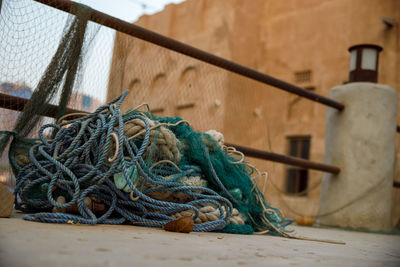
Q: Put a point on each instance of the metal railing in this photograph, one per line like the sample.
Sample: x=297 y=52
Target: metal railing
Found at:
x=289 y=160
x=18 y=103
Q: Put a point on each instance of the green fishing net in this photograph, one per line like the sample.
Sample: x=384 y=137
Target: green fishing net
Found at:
x=203 y=150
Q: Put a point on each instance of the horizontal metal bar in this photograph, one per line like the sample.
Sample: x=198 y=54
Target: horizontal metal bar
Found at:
x=294 y=161
x=185 y=106
x=157 y=110
x=163 y=41
x=18 y=103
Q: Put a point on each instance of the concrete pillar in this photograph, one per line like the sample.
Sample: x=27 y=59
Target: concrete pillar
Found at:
x=361 y=141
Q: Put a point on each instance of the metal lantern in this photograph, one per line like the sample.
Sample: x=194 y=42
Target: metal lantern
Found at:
x=364 y=59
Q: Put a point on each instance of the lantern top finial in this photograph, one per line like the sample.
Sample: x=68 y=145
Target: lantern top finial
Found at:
x=373 y=46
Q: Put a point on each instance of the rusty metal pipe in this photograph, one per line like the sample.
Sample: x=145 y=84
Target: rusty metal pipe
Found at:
x=179 y=47
x=18 y=103
x=289 y=160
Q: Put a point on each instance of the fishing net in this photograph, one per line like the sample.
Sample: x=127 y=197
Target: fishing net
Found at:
x=144 y=169
x=44 y=56
x=121 y=164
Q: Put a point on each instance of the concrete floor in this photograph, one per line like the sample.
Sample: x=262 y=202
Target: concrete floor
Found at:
x=24 y=243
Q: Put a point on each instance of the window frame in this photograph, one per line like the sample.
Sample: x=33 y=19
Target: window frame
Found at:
x=296 y=178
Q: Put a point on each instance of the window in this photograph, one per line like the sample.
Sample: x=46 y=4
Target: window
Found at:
x=303 y=76
x=297 y=178
x=86 y=101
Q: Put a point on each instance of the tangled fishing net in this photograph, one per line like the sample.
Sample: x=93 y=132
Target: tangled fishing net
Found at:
x=137 y=168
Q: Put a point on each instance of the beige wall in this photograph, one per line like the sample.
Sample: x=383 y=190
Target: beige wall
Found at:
x=275 y=37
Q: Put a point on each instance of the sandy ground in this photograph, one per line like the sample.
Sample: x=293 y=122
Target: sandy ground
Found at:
x=24 y=243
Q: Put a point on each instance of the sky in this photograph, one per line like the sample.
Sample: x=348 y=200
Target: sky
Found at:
x=129 y=10
x=32 y=31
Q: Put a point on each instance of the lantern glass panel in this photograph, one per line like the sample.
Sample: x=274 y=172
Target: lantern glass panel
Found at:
x=353 y=60
x=368 y=59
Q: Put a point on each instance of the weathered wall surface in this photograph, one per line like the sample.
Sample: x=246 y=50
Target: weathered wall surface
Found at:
x=279 y=38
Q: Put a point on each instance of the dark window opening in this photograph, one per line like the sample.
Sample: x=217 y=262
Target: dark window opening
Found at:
x=297 y=178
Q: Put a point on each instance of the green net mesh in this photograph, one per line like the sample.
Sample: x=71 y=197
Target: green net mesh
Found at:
x=204 y=151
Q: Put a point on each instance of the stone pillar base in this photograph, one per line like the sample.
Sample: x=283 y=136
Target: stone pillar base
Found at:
x=361 y=141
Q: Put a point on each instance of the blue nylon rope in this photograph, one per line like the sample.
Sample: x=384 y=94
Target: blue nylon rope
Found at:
x=75 y=163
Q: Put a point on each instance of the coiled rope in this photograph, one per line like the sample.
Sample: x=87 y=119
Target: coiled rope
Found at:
x=75 y=163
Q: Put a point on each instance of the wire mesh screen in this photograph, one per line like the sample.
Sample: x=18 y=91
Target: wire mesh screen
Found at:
x=30 y=35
